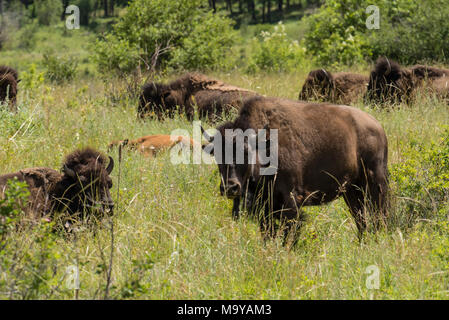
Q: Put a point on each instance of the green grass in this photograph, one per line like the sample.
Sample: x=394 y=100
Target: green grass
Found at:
x=174 y=236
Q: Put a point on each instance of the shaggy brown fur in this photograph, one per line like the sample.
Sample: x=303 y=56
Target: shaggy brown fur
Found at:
x=342 y=87
x=211 y=96
x=8 y=89
x=5 y=69
x=82 y=187
x=389 y=82
x=324 y=151
x=149 y=146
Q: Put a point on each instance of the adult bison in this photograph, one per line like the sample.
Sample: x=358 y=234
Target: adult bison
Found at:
x=213 y=97
x=342 y=87
x=8 y=86
x=81 y=188
x=324 y=151
x=389 y=82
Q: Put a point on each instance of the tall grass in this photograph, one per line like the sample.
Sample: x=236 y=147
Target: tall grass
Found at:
x=174 y=237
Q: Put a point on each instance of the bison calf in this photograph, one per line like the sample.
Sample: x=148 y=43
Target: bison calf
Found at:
x=82 y=186
x=150 y=145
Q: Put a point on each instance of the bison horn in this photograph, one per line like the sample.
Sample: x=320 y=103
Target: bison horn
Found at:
x=110 y=166
x=206 y=135
x=70 y=172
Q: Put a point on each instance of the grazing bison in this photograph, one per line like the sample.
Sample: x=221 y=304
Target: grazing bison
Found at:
x=212 y=97
x=82 y=186
x=8 y=86
x=150 y=145
x=324 y=151
x=389 y=82
x=342 y=87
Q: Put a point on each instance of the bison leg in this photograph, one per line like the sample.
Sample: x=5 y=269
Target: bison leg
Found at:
x=354 y=198
x=236 y=209
x=378 y=196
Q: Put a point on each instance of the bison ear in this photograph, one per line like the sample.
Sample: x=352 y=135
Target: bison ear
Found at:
x=206 y=135
x=110 y=166
x=165 y=94
x=69 y=172
x=208 y=148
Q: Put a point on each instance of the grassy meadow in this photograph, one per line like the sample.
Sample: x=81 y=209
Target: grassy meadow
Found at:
x=173 y=236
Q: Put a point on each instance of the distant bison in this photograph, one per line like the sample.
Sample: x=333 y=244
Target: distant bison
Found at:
x=324 y=151
x=150 y=145
x=342 y=87
x=8 y=86
x=389 y=82
x=212 y=97
x=81 y=188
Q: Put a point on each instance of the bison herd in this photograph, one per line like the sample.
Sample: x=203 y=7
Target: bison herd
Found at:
x=324 y=150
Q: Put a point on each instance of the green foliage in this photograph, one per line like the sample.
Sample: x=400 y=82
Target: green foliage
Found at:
x=413 y=32
x=27 y=36
x=86 y=7
x=179 y=33
x=335 y=33
x=203 y=49
x=48 y=12
x=31 y=79
x=275 y=52
x=409 y=31
x=59 y=69
x=11 y=204
x=422 y=180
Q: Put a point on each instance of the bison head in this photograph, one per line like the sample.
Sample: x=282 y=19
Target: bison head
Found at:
x=386 y=81
x=236 y=170
x=8 y=88
x=319 y=84
x=85 y=184
x=158 y=100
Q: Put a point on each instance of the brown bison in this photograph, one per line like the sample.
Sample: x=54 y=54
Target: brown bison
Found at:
x=324 y=151
x=8 y=86
x=212 y=97
x=342 y=87
x=150 y=145
x=82 y=186
x=389 y=82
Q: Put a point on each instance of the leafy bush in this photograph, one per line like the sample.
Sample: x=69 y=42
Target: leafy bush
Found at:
x=31 y=79
x=422 y=180
x=409 y=31
x=48 y=11
x=182 y=34
x=16 y=195
x=275 y=52
x=59 y=69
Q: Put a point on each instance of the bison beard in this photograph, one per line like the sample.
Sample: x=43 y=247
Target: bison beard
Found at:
x=212 y=97
x=325 y=151
x=8 y=86
x=81 y=188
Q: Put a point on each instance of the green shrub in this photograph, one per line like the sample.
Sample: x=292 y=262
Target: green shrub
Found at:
x=275 y=52
x=11 y=204
x=184 y=34
x=409 y=31
x=48 y=11
x=422 y=180
x=59 y=69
